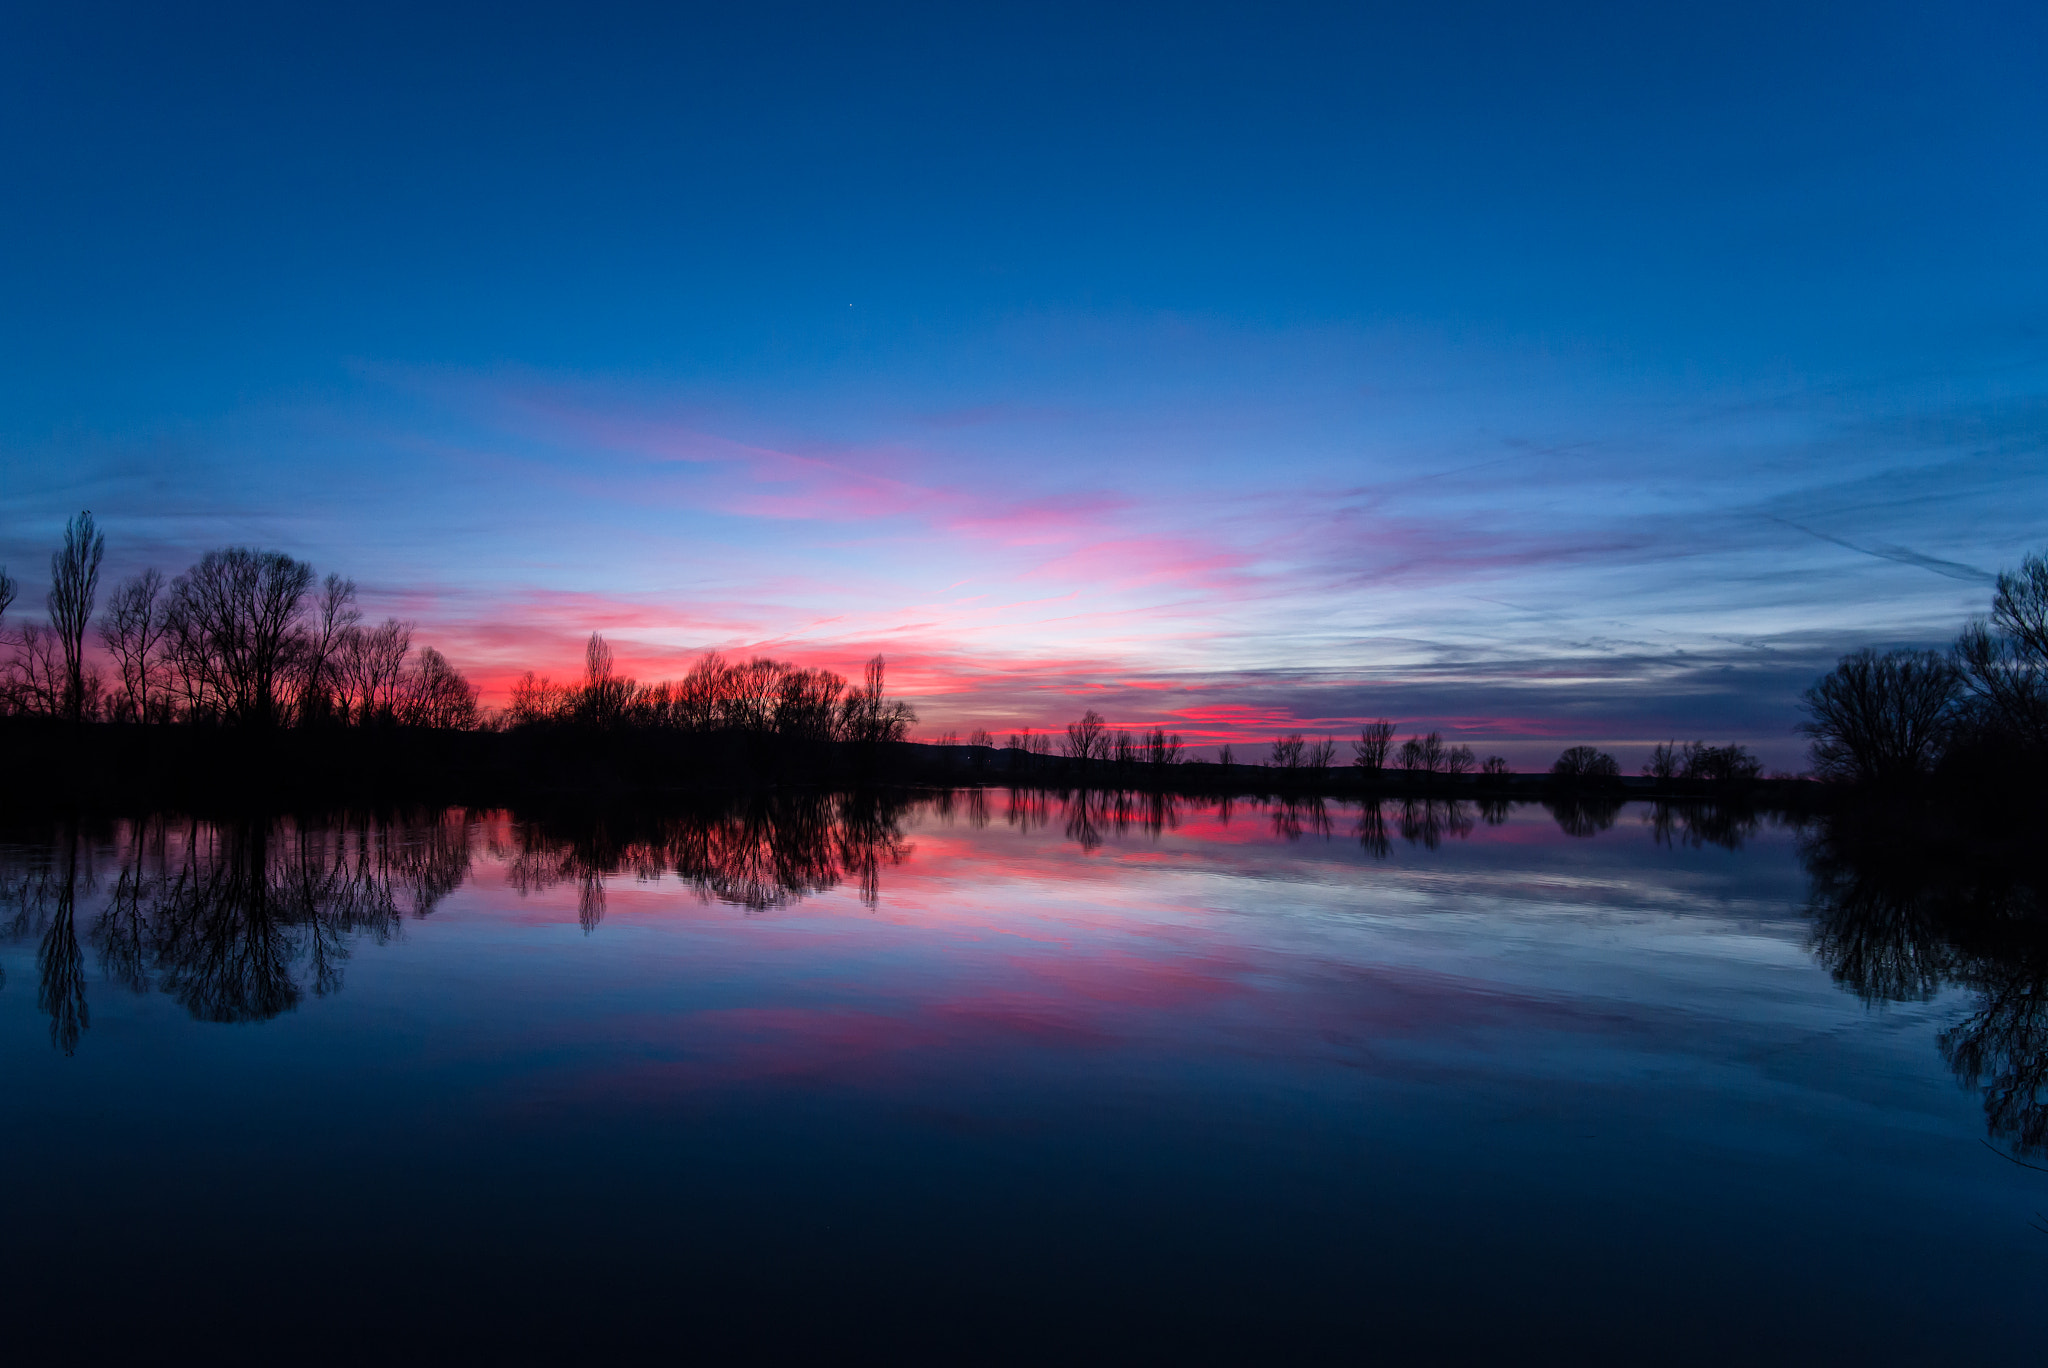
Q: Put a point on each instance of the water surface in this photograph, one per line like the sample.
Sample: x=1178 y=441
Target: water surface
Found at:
x=991 y=1073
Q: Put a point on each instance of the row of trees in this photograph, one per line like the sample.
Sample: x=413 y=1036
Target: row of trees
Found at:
x=1427 y=755
x=760 y=697
x=1374 y=754
x=244 y=637
x=253 y=638
x=1089 y=740
x=1896 y=716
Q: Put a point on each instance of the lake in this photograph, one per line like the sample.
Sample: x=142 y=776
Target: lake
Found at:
x=1001 y=1075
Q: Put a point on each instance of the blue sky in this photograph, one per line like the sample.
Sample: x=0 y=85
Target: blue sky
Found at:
x=1540 y=373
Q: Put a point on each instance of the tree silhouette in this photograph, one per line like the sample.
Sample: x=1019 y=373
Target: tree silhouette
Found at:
x=1586 y=765
x=867 y=718
x=1666 y=761
x=436 y=695
x=2005 y=661
x=369 y=670
x=1084 y=738
x=1727 y=764
x=1879 y=718
x=74 y=585
x=334 y=616
x=35 y=681
x=132 y=629
x=232 y=624
x=1161 y=749
x=606 y=693
x=1369 y=751
x=1428 y=755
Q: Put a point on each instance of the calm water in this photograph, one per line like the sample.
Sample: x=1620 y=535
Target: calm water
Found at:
x=1033 y=1075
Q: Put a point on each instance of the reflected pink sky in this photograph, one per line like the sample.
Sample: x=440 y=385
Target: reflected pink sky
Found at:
x=1217 y=933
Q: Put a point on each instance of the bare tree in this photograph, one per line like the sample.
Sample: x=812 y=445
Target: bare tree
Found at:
x=1371 y=747
x=1457 y=760
x=7 y=591
x=133 y=630
x=606 y=693
x=1665 y=762
x=234 y=619
x=1495 y=767
x=1586 y=764
x=1287 y=752
x=1084 y=738
x=1161 y=749
x=535 y=700
x=1126 y=749
x=2005 y=660
x=807 y=704
x=35 y=679
x=1882 y=717
x=2020 y=608
x=334 y=615
x=867 y=718
x=1319 y=756
x=435 y=694
x=74 y=585
x=370 y=668
x=1423 y=754
x=697 y=698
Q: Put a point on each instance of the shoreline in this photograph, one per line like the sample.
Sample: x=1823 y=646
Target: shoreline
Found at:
x=64 y=765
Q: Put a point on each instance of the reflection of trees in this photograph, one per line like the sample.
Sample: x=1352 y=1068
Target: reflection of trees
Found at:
x=1294 y=816
x=234 y=919
x=1583 y=815
x=1027 y=810
x=1372 y=829
x=1698 y=823
x=1092 y=815
x=61 y=965
x=1426 y=821
x=758 y=852
x=1897 y=917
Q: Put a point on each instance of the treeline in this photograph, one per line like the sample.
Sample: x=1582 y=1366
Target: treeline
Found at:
x=1974 y=713
x=242 y=637
x=252 y=639
x=1090 y=747
x=758 y=698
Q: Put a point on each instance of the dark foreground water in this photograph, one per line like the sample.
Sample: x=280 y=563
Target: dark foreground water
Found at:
x=979 y=1077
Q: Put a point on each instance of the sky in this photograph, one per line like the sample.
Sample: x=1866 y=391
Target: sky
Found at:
x=1542 y=374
